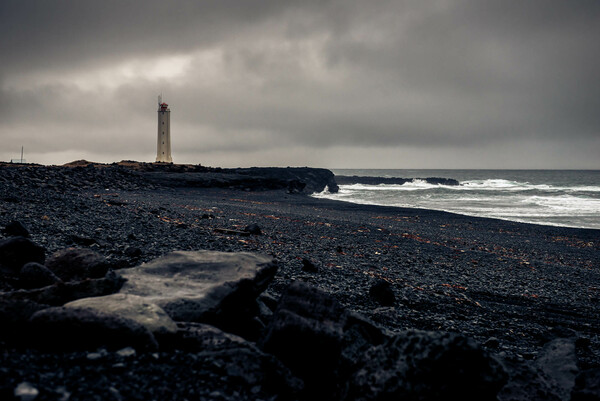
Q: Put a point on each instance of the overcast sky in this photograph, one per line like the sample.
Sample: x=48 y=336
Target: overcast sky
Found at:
x=336 y=84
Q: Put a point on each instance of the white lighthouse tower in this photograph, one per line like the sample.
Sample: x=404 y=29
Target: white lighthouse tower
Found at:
x=163 y=145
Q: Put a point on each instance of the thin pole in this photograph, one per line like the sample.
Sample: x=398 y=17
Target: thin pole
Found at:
x=21 y=154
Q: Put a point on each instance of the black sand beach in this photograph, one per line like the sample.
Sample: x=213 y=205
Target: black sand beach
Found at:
x=511 y=287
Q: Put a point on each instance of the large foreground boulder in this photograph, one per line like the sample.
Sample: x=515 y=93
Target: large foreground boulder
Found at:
x=342 y=355
x=318 y=339
x=426 y=366
x=202 y=286
x=306 y=334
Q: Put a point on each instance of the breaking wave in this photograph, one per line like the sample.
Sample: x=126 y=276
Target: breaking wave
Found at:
x=557 y=202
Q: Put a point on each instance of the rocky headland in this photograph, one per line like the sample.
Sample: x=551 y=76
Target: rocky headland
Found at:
x=143 y=281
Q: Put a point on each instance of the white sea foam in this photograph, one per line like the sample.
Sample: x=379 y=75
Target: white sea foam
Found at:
x=564 y=200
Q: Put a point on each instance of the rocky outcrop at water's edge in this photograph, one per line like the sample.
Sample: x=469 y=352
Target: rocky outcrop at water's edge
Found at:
x=131 y=175
x=348 y=180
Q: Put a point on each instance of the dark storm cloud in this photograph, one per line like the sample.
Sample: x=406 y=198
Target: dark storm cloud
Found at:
x=305 y=75
x=64 y=32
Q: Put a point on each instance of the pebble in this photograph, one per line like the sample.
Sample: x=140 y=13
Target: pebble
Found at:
x=126 y=352
x=62 y=390
x=115 y=393
x=93 y=356
x=25 y=391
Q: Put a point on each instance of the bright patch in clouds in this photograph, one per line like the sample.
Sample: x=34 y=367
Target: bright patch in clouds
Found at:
x=107 y=76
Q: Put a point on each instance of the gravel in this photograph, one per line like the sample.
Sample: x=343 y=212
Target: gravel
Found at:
x=510 y=286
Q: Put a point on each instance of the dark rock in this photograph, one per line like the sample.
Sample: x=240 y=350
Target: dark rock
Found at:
x=360 y=334
x=556 y=332
x=16 y=229
x=306 y=334
x=558 y=362
x=264 y=312
x=492 y=342
x=35 y=275
x=15 y=315
x=550 y=377
x=61 y=293
x=382 y=293
x=77 y=264
x=426 y=366
x=253 y=229
x=133 y=252
x=582 y=342
x=195 y=337
x=295 y=186
x=84 y=241
x=61 y=328
x=587 y=386
x=204 y=286
x=346 y=180
x=114 y=202
x=308 y=266
x=17 y=251
x=294 y=179
x=440 y=181
x=300 y=179
x=238 y=360
x=269 y=300
x=526 y=383
x=10 y=199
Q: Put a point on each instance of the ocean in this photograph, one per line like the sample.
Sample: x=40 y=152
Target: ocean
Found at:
x=569 y=198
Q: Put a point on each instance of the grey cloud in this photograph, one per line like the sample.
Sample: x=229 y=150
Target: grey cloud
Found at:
x=60 y=33
x=456 y=74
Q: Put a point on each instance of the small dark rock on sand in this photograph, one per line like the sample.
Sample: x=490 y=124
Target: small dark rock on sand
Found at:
x=16 y=229
x=382 y=293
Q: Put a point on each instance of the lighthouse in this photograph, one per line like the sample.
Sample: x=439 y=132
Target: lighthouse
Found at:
x=163 y=145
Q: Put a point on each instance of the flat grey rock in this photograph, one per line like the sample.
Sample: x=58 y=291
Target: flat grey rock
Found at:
x=199 y=286
x=132 y=307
